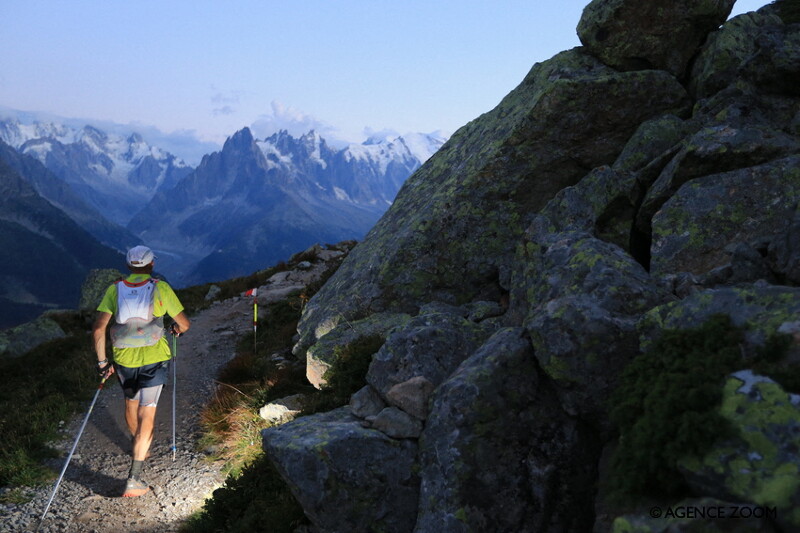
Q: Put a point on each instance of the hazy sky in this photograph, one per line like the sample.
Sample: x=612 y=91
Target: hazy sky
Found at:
x=208 y=68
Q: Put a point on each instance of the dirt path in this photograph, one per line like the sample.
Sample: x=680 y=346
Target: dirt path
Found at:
x=88 y=498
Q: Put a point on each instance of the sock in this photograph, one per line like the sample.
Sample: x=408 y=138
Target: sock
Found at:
x=136 y=469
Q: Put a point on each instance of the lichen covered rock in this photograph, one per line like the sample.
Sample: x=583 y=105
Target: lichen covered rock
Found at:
x=762 y=464
x=323 y=354
x=431 y=346
x=760 y=309
x=17 y=341
x=481 y=472
x=346 y=477
x=628 y=34
x=95 y=285
x=756 y=47
x=456 y=221
x=582 y=299
x=694 y=227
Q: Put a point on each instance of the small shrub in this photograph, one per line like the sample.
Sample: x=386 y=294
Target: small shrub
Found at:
x=348 y=373
x=666 y=406
x=771 y=361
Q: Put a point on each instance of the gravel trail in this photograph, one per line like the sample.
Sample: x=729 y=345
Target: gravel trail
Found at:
x=88 y=499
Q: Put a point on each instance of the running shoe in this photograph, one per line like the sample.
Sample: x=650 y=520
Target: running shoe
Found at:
x=135 y=487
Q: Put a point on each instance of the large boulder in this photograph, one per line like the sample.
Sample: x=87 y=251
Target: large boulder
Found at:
x=761 y=465
x=713 y=150
x=694 y=227
x=95 y=285
x=652 y=139
x=431 y=345
x=455 y=223
x=497 y=452
x=659 y=34
x=581 y=298
x=757 y=47
x=346 y=477
x=18 y=340
x=572 y=263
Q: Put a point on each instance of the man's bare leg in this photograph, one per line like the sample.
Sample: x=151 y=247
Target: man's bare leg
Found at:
x=132 y=416
x=146 y=417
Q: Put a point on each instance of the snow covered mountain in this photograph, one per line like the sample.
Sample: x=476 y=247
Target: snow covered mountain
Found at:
x=368 y=174
x=62 y=196
x=254 y=203
x=115 y=174
x=259 y=200
x=48 y=254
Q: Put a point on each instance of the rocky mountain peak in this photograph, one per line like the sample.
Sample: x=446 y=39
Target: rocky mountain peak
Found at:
x=135 y=138
x=242 y=139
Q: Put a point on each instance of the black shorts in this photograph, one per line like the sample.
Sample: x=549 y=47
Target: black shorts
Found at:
x=135 y=379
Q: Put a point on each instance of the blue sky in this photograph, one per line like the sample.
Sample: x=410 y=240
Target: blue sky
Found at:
x=206 y=68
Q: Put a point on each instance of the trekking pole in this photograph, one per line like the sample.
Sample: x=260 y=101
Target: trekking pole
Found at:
x=72 y=452
x=174 y=389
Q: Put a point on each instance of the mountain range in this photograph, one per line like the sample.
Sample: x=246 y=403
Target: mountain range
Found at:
x=115 y=174
x=251 y=204
x=258 y=201
x=48 y=255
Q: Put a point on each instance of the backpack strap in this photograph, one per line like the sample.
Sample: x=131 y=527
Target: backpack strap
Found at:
x=138 y=284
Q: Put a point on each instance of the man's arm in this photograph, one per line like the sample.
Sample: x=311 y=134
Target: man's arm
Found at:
x=182 y=323
x=99 y=335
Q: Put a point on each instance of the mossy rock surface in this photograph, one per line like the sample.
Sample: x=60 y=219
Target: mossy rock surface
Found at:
x=759 y=309
x=323 y=354
x=694 y=228
x=729 y=55
x=471 y=453
x=346 y=477
x=95 y=285
x=17 y=341
x=456 y=221
x=761 y=465
x=628 y=34
x=431 y=345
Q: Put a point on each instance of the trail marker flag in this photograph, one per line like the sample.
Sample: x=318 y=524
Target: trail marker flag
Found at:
x=254 y=294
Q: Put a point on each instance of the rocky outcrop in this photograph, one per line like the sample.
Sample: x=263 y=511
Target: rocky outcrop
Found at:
x=346 y=477
x=482 y=472
x=95 y=285
x=452 y=231
x=17 y=341
x=631 y=35
x=643 y=183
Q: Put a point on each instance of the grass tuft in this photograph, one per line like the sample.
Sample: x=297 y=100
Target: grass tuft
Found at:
x=53 y=382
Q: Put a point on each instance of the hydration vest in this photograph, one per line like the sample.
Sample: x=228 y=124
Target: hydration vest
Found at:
x=135 y=326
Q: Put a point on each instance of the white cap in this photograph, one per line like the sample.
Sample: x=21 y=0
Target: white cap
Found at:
x=140 y=256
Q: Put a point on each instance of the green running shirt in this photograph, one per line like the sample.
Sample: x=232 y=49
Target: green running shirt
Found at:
x=166 y=302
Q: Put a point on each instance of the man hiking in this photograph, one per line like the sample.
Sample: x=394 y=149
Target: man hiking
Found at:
x=133 y=311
